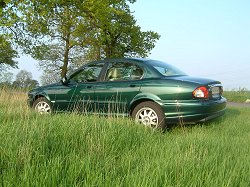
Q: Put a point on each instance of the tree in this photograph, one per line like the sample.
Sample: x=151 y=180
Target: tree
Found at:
x=64 y=32
x=50 y=76
x=7 y=53
x=6 y=78
x=118 y=33
x=2 y=4
x=7 y=18
x=52 y=32
x=24 y=80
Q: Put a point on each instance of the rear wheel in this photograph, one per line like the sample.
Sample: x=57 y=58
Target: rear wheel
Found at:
x=150 y=114
x=42 y=105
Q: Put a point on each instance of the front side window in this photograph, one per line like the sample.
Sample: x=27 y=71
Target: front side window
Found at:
x=121 y=71
x=89 y=73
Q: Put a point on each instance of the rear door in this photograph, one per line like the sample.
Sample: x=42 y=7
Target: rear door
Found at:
x=121 y=84
x=83 y=98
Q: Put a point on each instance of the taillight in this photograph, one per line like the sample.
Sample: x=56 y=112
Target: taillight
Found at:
x=201 y=92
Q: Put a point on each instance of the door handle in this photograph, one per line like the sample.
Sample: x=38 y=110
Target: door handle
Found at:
x=132 y=85
x=88 y=86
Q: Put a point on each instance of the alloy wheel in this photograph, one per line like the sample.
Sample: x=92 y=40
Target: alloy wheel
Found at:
x=43 y=107
x=147 y=116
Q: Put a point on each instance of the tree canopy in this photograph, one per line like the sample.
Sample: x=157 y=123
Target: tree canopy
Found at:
x=3 y=3
x=24 y=80
x=7 y=53
x=60 y=33
x=6 y=79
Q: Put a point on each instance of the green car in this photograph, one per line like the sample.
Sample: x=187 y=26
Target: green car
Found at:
x=152 y=92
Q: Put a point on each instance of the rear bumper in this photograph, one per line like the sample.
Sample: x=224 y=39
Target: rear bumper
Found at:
x=193 y=110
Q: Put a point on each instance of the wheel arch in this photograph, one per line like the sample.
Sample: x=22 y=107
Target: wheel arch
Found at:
x=142 y=97
x=39 y=95
x=135 y=103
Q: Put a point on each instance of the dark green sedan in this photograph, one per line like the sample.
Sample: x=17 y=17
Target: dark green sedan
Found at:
x=152 y=92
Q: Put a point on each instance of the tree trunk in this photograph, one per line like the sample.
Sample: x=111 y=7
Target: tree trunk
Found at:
x=65 y=57
x=109 y=50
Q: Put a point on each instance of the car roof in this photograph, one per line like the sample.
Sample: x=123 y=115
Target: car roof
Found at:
x=127 y=59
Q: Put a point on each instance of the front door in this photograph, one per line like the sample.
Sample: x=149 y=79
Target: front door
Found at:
x=78 y=94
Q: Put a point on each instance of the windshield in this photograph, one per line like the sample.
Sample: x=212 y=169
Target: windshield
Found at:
x=166 y=69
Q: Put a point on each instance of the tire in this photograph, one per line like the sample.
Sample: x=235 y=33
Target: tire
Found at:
x=42 y=105
x=150 y=114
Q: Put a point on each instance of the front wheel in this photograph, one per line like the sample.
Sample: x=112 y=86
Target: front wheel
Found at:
x=42 y=105
x=149 y=114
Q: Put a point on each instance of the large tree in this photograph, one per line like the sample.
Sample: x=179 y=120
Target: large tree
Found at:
x=7 y=53
x=53 y=32
x=118 y=35
x=3 y=3
x=58 y=33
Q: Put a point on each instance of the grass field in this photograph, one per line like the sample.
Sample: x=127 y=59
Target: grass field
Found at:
x=237 y=96
x=80 y=150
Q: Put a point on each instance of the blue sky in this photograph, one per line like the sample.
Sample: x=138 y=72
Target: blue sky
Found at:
x=208 y=38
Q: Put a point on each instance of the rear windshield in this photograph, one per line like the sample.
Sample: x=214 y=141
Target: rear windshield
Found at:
x=165 y=69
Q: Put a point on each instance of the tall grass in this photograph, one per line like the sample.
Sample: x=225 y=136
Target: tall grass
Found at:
x=237 y=95
x=80 y=150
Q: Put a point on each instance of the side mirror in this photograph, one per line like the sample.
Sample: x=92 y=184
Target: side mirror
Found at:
x=64 y=80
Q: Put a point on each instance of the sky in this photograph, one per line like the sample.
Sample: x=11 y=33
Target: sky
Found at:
x=204 y=38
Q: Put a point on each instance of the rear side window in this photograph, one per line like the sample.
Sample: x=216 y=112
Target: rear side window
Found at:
x=165 y=69
x=122 y=71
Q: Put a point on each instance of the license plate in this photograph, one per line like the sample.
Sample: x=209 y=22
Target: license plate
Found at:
x=215 y=90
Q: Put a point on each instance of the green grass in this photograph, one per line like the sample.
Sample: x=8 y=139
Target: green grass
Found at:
x=237 y=96
x=80 y=150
